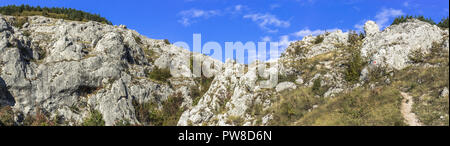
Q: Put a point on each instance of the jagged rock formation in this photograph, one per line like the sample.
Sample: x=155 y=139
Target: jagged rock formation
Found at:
x=65 y=69
x=391 y=47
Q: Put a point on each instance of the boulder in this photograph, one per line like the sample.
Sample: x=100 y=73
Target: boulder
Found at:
x=284 y=86
x=371 y=28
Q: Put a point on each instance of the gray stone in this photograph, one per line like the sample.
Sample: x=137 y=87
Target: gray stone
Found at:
x=284 y=86
x=371 y=28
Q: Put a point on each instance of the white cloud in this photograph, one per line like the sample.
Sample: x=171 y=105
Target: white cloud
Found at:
x=360 y=25
x=236 y=9
x=284 y=41
x=188 y=17
x=266 y=21
x=307 y=32
x=266 y=39
x=385 y=14
x=406 y=4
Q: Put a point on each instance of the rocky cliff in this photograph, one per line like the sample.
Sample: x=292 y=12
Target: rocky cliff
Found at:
x=60 y=72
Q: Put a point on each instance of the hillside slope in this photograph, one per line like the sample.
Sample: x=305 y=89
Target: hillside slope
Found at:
x=60 y=72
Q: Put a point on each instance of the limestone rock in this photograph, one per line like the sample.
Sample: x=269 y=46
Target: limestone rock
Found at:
x=371 y=28
x=391 y=47
x=284 y=86
x=444 y=92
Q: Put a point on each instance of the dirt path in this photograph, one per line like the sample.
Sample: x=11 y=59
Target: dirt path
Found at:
x=406 y=110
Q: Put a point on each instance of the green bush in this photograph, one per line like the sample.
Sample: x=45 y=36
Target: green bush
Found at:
x=95 y=119
x=403 y=19
x=443 y=23
x=149 y=114
x=287 y=78
x=160 y=74
x=58 y=13
x=355 y=63
x=319 y=39
x=317 y=87
x=416 y=56
x=167 y=41
x=20 y=21
x=137 y=39
x=354 y=68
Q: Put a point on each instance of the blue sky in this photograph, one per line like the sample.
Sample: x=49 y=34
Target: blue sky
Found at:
x=246 y=20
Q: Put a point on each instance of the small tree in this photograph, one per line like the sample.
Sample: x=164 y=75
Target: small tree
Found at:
x=444 y=23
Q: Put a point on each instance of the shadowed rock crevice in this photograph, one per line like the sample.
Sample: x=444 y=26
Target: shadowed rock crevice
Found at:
x=6 y=99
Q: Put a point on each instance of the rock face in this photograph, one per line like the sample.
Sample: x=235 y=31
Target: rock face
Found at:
x=371 y=28
x=68 y=68
x=391 y=47
x=63 y=67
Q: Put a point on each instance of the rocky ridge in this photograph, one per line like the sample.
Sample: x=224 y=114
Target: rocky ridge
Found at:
x=65 y=69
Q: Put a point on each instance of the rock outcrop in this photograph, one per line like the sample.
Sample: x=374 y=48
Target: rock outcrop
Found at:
x=68 y=68
x=391 y=47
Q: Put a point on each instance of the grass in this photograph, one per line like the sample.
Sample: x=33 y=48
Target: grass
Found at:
x=293 y=105
x=95 y=119
x=6 y=116
x=149 y=114
x=20 y=21
x=361 y=107
x=39 y=119
x=425 y=84
x=160 y=74
x=287 y=78
x=235 y=120
x=203 y=84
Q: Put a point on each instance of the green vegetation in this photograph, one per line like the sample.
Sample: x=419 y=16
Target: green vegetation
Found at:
x=293 y=105
x=443 y=23
x=203 y=84
x=416 y=56
x=317 y=88
x=95 y=119
x=20 y=21
x=403 y=19
x=361 y=107
x=160 y=74
x=196 y=92
x=300 y=50
x=235 y=120
x=6 y=116
x=355 y=63
x=287 y=78
x=149 y=114
x=167 y=41
x=425 y=84
x=319 y=39
x=39 y=119
x=58 y=13
x=123 y=123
